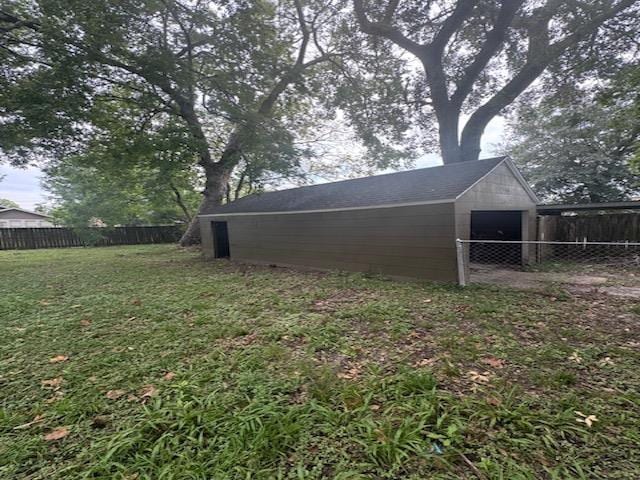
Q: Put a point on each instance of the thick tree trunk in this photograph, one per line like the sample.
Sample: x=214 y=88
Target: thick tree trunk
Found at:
x=448 y=136
x=453 y=146
x=447 y=114
x=218 y=173
x=217 y=176
x=470 y=143
x=213 y=194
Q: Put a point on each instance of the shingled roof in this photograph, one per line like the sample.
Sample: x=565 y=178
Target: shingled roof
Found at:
x=433 y=184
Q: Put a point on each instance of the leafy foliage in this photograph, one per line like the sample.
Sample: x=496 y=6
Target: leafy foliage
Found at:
x=246 y=82
x=578 y=145
x=139 y=195
x=5 y=202
x=127 y=175
x=476 y=57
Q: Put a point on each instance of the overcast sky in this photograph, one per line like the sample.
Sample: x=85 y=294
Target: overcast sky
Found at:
x=22 y=185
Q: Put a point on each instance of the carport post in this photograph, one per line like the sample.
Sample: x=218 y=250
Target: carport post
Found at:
x=462 y=280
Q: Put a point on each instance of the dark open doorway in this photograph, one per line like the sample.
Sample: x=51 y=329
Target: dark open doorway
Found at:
x=496 y=225
x=220 y=239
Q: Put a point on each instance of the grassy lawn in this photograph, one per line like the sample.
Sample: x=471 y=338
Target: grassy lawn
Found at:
x=148 y=363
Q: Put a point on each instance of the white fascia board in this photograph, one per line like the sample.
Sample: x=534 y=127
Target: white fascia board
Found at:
x=325 y=210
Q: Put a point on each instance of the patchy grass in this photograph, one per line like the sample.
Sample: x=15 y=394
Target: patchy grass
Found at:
x=148 y=363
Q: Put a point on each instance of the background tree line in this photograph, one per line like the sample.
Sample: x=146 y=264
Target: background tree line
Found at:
x=157 y=110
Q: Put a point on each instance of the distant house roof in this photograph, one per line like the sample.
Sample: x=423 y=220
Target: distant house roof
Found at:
x=6 y=209
x=424 y=185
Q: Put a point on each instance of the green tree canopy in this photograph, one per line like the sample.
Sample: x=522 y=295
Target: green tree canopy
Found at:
x=474 y=58
x=578 y=145
x=5 y=202
x=240 y=78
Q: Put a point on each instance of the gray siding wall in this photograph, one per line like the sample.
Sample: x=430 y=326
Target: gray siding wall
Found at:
x=413 y=241
x=499 y=190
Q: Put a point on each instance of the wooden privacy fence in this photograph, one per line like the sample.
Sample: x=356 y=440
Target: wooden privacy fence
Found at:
x=617 y=227
x=29 y=238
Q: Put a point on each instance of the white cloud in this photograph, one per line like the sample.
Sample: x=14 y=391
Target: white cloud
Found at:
x=22 y=185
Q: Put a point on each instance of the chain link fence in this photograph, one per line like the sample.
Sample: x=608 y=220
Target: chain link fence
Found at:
x=482 y=259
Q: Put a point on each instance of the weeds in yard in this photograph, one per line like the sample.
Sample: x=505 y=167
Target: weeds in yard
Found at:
x=179 y=369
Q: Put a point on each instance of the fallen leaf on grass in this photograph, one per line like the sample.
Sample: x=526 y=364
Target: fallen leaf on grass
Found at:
x=36 y=419
x=52 y=382
x=586 y=419
x=85 y=322
x=58 y=394
x=426 y=362
x=168 y=376
x=605 y=361
x=575 y=356
x=114 y=394
x=44 y=302
x=147 y=392
x=478 y=377
x=349 y=374
x=58 y=359
x=57 y=434
x=493 y=362
x=380 y=435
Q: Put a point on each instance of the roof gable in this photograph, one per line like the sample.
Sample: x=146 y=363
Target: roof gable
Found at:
x=28 y=212
x=425 y=185
x=513 y=169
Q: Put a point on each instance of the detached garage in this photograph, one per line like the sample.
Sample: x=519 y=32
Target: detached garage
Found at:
x=400 y=224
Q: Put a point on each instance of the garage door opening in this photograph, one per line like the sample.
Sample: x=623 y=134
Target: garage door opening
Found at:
x=496 y=225
x=220 y=239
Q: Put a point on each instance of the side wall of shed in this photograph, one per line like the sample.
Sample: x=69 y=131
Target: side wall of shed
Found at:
x=409 y=241
x=499 y=190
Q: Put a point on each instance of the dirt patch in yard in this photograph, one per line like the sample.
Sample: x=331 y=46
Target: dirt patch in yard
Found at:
x=614 y=290
x=608 y=283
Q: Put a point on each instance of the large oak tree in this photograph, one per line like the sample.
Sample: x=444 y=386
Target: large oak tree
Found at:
x=237 y=76
x=477 y=57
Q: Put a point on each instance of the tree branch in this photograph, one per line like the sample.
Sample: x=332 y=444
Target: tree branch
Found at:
x=492 y=44
x=180 y=201
x=540 y=53
x=15 y=22
x=306 y=35
x=451 y=24
x=384 y=29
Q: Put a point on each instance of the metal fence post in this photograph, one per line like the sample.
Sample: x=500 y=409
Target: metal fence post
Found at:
x=462 y=280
